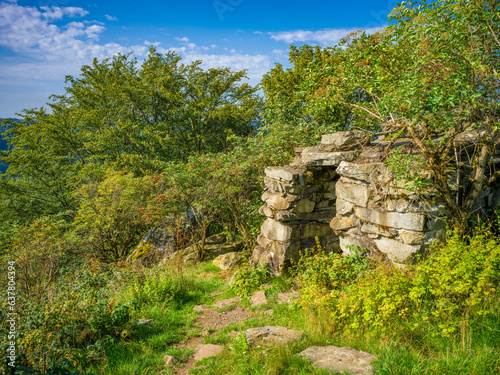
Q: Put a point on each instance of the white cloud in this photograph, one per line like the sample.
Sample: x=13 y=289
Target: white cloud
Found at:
x=325 y=37
x=184 y=39
x=110 y=18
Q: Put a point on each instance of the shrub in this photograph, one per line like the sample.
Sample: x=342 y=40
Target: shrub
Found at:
x=248 y=278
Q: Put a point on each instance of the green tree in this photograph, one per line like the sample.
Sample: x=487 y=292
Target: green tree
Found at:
x=430 y=77
x=117 y=115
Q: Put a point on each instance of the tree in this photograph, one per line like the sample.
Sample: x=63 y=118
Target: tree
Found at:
x=431 y=77
x=117 y=115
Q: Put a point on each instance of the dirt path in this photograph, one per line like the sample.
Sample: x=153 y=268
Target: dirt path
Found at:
x=210 y=320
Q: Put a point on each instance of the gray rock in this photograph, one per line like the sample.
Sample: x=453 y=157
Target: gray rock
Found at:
x=343 y=222
x=145 y=322
x=374 y=173
x=258 y=298
x=408 y=221
x=168 y=360
x=276 y=231
x=395 y=250
x=355 y=193
x=345 y=138
x=311 y=156
x=216 y=239
x=343 y=207
x=272 y=335
x=229 y=261
x=375 y=229
x=207 y=350
x=338 y=359
x=286 y=173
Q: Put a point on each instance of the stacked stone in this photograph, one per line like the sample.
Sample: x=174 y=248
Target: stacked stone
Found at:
x=376 y=212
x=300 y=201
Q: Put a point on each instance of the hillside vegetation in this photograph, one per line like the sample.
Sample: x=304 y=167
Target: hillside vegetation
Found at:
x=129 y=146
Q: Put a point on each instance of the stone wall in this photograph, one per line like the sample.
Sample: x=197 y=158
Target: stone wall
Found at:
x=300 y=201
x=341 y=193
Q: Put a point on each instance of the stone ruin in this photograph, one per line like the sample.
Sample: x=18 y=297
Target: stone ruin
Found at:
x=341 y=194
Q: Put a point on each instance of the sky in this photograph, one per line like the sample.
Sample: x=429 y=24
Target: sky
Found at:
x=42 y=41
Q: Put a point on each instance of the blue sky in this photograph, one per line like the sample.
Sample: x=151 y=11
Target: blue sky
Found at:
x=43 y=41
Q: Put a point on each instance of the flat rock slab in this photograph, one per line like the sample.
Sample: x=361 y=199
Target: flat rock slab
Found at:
x=258 y=298
x=227 y=302
x=206 y=350
x=272 y=335
x=229 y=260
x=339 y=359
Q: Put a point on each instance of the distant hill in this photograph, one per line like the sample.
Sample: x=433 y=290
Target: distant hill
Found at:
x=3 y=142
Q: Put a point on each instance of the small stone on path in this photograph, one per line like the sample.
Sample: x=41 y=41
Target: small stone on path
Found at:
x=258 y=298
x=272 y=334
x=339 y=359
x=206 y=350
x=227 y=302
x=169 y=360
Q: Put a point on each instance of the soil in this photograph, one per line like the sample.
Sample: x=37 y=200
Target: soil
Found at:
x=208 y=321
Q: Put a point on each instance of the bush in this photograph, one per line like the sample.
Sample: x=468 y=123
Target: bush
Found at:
x=248 y=278
x=115 y=213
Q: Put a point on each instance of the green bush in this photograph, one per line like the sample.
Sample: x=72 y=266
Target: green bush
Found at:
x=248 y=278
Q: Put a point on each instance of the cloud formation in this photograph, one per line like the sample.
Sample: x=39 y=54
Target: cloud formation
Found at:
x=325 y=37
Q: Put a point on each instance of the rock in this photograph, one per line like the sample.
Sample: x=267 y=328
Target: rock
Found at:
x=311 y=156
x=272 y=335
x=168 y=360
x=216 y=239
x=340 y=360
x=210 y=250
x=287 y=297
x=343 y=222
x=278 y=201
x=268 y=312
x=264 y=210
x=395 y=250
x=410 y=237
x=206 y=350
x=145 y=322
x=304 y=206
x=275 y=230
x=408 y=221
x=229 y=261
x=373 y=173
x=258 y=298
x=357 y=194
x=343 y=207
x=287 y=173
x=346 y=241
x=204 y=333
x=345 y=138
x=227 y=302
x=375 y=229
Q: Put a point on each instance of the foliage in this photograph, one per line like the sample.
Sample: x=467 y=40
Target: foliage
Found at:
x=454 y=284
x=322 y=276
x=248 y=278
x=118 y=116
x=158 y=286
x=431 y=76
x=114 y=213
